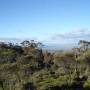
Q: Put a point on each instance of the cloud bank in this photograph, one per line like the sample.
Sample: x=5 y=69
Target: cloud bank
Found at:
x=70 y=37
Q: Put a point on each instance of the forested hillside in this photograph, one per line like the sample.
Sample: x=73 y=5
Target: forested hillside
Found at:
x=26 y=66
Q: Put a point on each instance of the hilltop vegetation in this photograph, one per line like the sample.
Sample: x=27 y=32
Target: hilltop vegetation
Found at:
x=27 y=67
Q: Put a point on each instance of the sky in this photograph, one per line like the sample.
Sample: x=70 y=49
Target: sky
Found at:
x=50 y=21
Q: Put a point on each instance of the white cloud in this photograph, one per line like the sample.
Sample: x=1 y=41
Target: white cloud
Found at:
x=71 y=37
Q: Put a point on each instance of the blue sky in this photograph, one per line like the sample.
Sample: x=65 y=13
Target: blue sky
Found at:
x=45 y=19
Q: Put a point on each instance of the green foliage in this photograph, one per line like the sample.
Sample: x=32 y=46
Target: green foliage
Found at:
x=27 y=67
x=87 y=84
x=85 y=57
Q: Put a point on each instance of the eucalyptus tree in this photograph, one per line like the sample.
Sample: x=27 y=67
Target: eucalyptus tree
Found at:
x=84 y=45
x=76 y=51
x=25 y=43
x=31 y=44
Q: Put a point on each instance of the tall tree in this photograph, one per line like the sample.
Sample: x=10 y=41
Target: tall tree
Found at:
x=84 y=45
